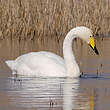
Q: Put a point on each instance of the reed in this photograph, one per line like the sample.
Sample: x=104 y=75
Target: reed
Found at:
x=42 y=19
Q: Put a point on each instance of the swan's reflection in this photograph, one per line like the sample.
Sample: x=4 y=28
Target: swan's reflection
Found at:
x=47 y=93
x=70 y=92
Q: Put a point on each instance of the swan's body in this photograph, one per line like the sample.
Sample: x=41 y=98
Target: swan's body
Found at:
x=38 y=63
x=49 y=64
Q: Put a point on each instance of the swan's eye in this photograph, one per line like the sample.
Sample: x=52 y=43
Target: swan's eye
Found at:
x=92 y=36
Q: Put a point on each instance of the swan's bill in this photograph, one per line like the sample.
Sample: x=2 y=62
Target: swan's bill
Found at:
x=92 y=42
x=93 y=46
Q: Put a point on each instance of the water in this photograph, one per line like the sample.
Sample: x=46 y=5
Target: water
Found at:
x=87 y=93
x=91 y=92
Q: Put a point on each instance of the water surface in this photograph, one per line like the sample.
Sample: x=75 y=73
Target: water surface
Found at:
x=92 y=92
x=55 y=93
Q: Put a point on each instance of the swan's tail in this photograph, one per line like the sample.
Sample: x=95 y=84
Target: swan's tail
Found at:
x=11 y=64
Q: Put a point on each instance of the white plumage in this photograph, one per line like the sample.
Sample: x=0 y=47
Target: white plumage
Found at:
x=49 y=64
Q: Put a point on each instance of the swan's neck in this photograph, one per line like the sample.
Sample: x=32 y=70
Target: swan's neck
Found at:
x=72 y=67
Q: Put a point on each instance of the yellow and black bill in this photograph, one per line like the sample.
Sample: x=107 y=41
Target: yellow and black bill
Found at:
x=93 y=46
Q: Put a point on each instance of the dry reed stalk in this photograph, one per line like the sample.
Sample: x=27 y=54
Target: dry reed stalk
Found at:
x=42 y=19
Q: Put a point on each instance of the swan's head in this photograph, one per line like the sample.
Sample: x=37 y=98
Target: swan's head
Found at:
x=86 y=34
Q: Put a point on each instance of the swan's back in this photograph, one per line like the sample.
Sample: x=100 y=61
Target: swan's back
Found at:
x=38 y=63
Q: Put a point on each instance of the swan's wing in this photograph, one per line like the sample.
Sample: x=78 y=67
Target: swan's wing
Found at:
x=41 y=62
x=39 y=55
x=53 y=56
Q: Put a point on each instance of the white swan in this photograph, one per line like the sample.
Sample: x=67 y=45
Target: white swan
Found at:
x=48 y=64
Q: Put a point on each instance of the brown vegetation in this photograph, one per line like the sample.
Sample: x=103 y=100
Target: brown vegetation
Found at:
x=39 y=19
